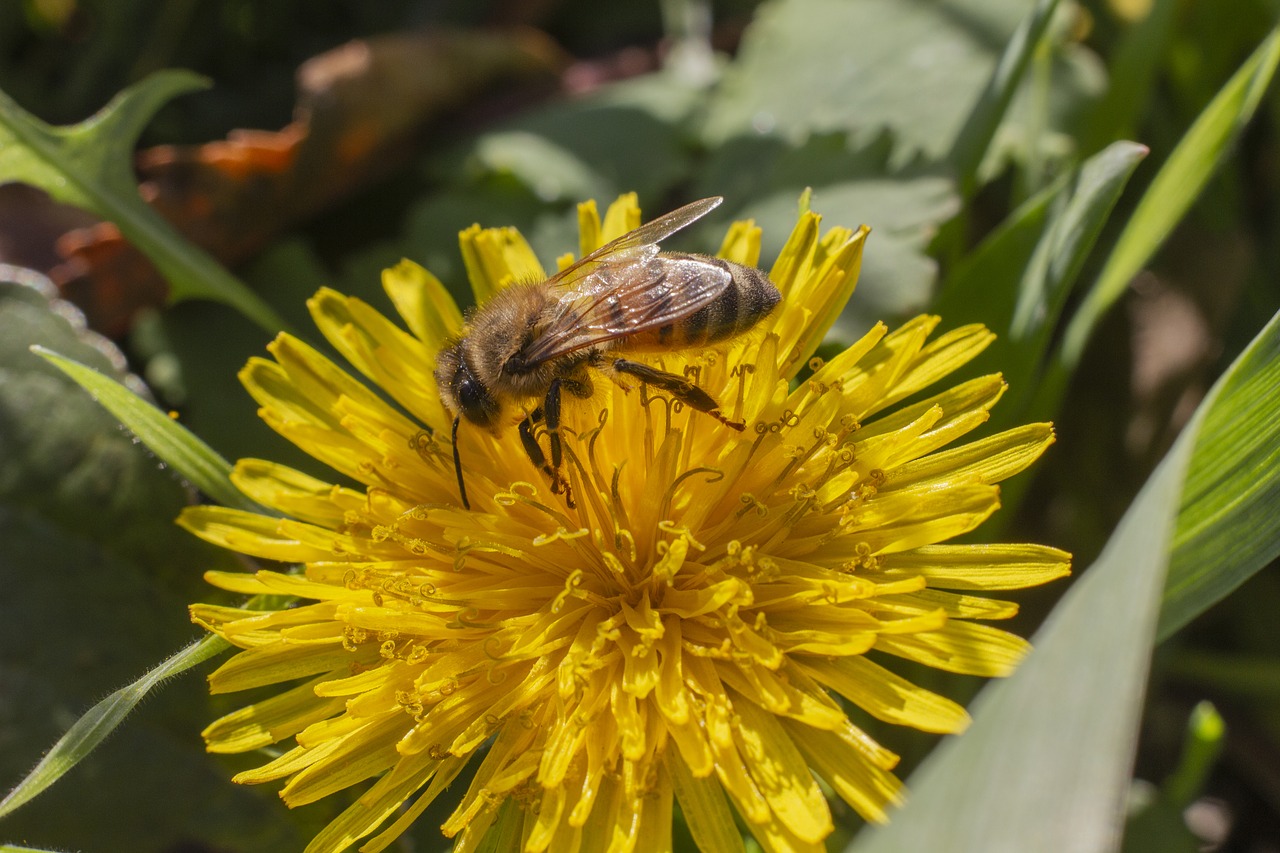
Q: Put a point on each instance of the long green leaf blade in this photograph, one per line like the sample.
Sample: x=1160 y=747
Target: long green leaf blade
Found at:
x=1233 y=484
x=89 y=165
x=1134 y=62
x=1062 y=224
x=1174 y=189
x=177 y=446
x=979 y=129
x=1049 y=277
x=98 y=722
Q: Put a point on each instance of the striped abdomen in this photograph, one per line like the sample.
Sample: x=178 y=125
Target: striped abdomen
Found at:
x=747 y=300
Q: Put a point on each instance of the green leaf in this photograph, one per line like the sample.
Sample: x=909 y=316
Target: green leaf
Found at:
x=168 y=439
x=817 y=66
x=761 y=178
x=1033 y=766
x=1233 y=485
x=99 y=721
x=1135 y=60
x=984 y=285
x=627 y=136
x=1070 y=238
x=90 y=165
x=1073 y=211
x=1244 y=676
x=207 y=344
x=75 y=624
x=1157 y=827
x=974 y=139
x=1205 y=731
x=66 y=459
x=1171 y=194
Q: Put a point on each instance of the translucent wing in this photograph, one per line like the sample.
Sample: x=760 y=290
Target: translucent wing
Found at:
x=625 y=287
x=635 y=245
x=626 y=297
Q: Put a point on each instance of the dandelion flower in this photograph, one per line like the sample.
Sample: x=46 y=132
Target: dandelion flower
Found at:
x=694 y=630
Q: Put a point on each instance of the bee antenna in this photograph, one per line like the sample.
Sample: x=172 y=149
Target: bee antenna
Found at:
x=457 y=464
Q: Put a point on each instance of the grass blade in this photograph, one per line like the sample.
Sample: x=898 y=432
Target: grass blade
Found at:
x=99 y=721
x=1233 y=485
x=1174 y=189
x=177 y=446
x=979 y=128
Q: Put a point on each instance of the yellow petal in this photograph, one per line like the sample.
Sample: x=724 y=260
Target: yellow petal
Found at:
x=990 y=460
x=963 y=647
x=368 y=812
x=275 y=663
x=742 y=243
x=258 y=535
x=496 y=257
x=294 y=493
x=446 y=772
x=653 y=829
x=423 y=302
x=981 y=566
x=362 y=754
x=781 y=773
x=796 y=257
x=866 y=788
x=392 y=359
x=270 y=721
x=623 y=216
x=886 y=695
x=705 y=808
x=589 y=238
x=838 y=261
x=941 y=357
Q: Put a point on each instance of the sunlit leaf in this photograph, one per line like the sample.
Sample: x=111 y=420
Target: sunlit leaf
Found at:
x=1171 y=194
x=1233 y=484
x=810 y=66
x=90 y=165
x=1025 y=316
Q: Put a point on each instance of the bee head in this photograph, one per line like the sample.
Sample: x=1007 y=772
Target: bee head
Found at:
x=462 y=392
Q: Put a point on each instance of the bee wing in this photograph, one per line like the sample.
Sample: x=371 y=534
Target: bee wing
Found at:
x=625 y=298
x=636 y=245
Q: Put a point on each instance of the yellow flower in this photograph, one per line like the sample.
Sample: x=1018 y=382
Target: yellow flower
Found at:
x=684 y=632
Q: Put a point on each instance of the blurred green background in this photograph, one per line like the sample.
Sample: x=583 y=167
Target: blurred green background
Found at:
x=510 y=112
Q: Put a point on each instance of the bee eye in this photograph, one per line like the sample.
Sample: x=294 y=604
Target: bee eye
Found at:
x=474 y=400
x=471 y=394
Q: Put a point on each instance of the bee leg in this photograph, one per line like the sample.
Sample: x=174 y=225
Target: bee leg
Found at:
x=530 y=442
x=677 y=386
x=551 y=414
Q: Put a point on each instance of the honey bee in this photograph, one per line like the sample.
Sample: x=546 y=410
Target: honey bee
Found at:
x=534 y=341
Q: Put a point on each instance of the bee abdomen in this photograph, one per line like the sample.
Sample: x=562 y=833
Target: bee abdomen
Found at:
x=747 y=300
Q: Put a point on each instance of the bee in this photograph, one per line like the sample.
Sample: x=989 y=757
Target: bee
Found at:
x=533 y=342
